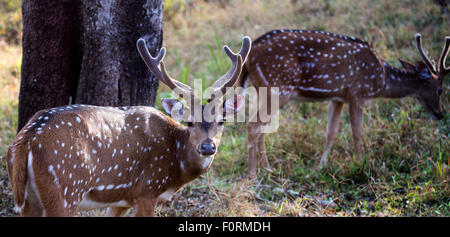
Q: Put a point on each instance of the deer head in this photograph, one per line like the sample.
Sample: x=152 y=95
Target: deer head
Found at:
x=204 y=122
x=429 y=94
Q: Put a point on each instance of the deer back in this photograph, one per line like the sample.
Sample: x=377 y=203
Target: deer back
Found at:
x=316 y=65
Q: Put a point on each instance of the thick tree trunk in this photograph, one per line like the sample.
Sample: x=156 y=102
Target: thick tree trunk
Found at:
x=111 y=30
x=51 y=57
x=84 y=51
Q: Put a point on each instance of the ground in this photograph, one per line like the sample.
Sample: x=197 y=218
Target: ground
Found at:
x=405 y=167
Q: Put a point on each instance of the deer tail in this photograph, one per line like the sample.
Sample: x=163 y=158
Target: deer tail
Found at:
x=17 y=172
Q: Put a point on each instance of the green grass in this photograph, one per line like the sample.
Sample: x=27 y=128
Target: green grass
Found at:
x=405 y=167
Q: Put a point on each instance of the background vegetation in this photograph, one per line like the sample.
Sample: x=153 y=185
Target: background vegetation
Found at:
x=405 y=167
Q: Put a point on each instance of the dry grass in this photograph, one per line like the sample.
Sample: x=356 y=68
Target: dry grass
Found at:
x=10 y=58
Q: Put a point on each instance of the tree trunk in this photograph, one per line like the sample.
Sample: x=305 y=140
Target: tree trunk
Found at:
x=84 y=51
x=51 y=57
x=111 y=30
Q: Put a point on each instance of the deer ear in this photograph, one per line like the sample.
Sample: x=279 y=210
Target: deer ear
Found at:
x=422 y=68
x=408 y=66
x=173 y=107
x=233 y=105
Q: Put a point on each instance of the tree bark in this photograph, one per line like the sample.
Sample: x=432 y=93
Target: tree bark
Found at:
x=51 y=57
x=111 y=30
x=84 y=52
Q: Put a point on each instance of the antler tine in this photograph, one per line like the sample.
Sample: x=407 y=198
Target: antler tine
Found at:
x=443 y=57
x=425 y=58
x=155 y=63
x=151 y=62
x=245 y=48
x=178 y=84
x=234 y=72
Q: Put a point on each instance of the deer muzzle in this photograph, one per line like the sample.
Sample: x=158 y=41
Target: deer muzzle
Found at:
x=207 y=148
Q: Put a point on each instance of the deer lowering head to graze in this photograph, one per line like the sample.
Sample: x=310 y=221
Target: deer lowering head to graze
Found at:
x=82 y=157
x=310 y=65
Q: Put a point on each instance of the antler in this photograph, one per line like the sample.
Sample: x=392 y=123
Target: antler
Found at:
x=427 y=61
x=442 y=68
x=233 y=73
x=156 y=65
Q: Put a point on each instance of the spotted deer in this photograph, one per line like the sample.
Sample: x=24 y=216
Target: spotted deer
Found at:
x=309 y=65
x=82 y=157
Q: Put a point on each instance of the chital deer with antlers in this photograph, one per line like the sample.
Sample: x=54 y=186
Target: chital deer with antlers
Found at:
x=315 y=66
x=82 y=157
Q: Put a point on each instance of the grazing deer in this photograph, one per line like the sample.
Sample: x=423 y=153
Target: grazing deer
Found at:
x=81 y=157
x=315 y=66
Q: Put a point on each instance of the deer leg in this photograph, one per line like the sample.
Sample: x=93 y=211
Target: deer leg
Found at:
x=33 y=206
x=256 y=149
x=44 y=195
x=266 y=123
x=334 y=117
x=145 y=206
x=253 y=148
x=263 y=162
x=356 y=116
x=117 y=211
x=256 y=135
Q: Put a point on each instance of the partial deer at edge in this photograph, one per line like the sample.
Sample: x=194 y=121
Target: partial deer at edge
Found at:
x=82 y=157
x=311 y=65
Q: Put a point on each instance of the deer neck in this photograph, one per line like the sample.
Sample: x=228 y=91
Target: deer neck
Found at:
x=399 y=83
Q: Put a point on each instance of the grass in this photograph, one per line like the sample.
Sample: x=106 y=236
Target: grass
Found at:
x=10 y=58
x=405 y=167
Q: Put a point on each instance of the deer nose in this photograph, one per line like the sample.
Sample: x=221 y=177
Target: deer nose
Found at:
x=207 y=149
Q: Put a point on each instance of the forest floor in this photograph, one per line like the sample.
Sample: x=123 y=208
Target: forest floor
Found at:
x=405 y=170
